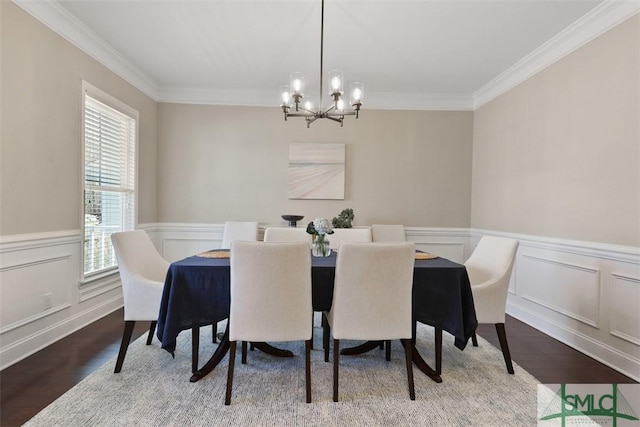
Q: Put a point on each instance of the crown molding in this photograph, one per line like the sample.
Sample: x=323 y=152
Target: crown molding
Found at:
x=58 y=19
x=602 y=18
x=599 y=20
x=418 y=101
x=373 y=101
x=210 y=96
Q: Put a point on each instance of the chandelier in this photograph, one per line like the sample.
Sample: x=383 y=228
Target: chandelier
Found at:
x=336 y=112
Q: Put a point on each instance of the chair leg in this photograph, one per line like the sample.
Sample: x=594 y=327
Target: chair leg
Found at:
x=195 y=348
x=152 y=329
x=312 y=318
x=232 y=357
x=474 y=340
x=387 y=352
x=126 y=337
x=502 y=337
x=438 y=340
x=325 y=336
x=244 y=352
x=406 y=343
x=336 y=361
x=414 y=328
x=307 y=367
x=214 y=332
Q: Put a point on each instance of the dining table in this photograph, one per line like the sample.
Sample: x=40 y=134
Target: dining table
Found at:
x=197 y=293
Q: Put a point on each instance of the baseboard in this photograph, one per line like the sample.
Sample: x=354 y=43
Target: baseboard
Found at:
x=604 y=354
x=30 y=344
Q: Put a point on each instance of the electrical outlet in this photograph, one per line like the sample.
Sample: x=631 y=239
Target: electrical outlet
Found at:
x=48 y=301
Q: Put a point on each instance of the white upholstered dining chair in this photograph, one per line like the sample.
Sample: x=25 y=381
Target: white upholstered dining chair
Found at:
x=341 y=235
x=238 y=230
x=372 y=297
x=287 y=234
x=234 y=230
x=489 y=268
x=270 y=299
x=388 y=233
x=142 y=272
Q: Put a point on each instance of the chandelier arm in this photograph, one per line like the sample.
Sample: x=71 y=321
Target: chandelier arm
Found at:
x=300 y=115
x=328 y=110
x=334 y=118
x=346 y=113
x=305 y=114
x=313 y=113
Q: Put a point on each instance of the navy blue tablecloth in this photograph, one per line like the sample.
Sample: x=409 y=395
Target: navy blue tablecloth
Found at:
x=196 y=293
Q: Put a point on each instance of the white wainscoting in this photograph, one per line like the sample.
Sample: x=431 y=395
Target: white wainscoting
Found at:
x=177 y=241
x=450 y=243
x=41 y=297
x=586 y=295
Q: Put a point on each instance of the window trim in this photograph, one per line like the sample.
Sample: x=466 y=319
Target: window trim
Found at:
x=121 y=107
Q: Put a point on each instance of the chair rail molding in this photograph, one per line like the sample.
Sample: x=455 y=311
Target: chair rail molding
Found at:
x=594 y=288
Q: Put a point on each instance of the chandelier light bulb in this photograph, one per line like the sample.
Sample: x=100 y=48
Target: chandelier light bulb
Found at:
x=335 y=81
x=285 y=95
x=357 y=92
x=297 y=83
x=308 y=105
x=340 y=105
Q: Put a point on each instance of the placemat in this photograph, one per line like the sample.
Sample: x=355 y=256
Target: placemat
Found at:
x=227 y=254
x=425 y=255
x=215 y=254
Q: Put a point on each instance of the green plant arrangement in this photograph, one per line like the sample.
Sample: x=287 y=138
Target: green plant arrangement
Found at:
x=344 y=219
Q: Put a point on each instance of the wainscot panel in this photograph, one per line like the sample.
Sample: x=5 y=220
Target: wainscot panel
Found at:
x=41 y=297
x=625 y=319
x=585 y=294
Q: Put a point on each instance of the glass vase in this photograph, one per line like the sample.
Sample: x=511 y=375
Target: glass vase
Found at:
x=320 y=247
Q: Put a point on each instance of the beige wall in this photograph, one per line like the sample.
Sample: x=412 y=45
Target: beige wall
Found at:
x=558 y=155
x=230 y=163
x=40 y=114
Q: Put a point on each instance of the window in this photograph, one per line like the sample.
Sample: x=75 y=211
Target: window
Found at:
x=110 y=135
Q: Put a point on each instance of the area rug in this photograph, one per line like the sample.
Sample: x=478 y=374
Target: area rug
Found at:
x=153 y=389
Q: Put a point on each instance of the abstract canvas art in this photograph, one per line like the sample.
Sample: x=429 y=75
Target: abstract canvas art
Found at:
x=316 y=171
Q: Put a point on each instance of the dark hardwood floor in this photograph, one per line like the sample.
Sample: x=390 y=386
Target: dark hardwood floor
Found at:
x=549 y=360
x=32 y=384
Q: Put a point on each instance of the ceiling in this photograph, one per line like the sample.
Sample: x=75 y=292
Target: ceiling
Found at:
x=447 y=54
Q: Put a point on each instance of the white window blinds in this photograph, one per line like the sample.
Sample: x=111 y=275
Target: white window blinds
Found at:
x=109 y=181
